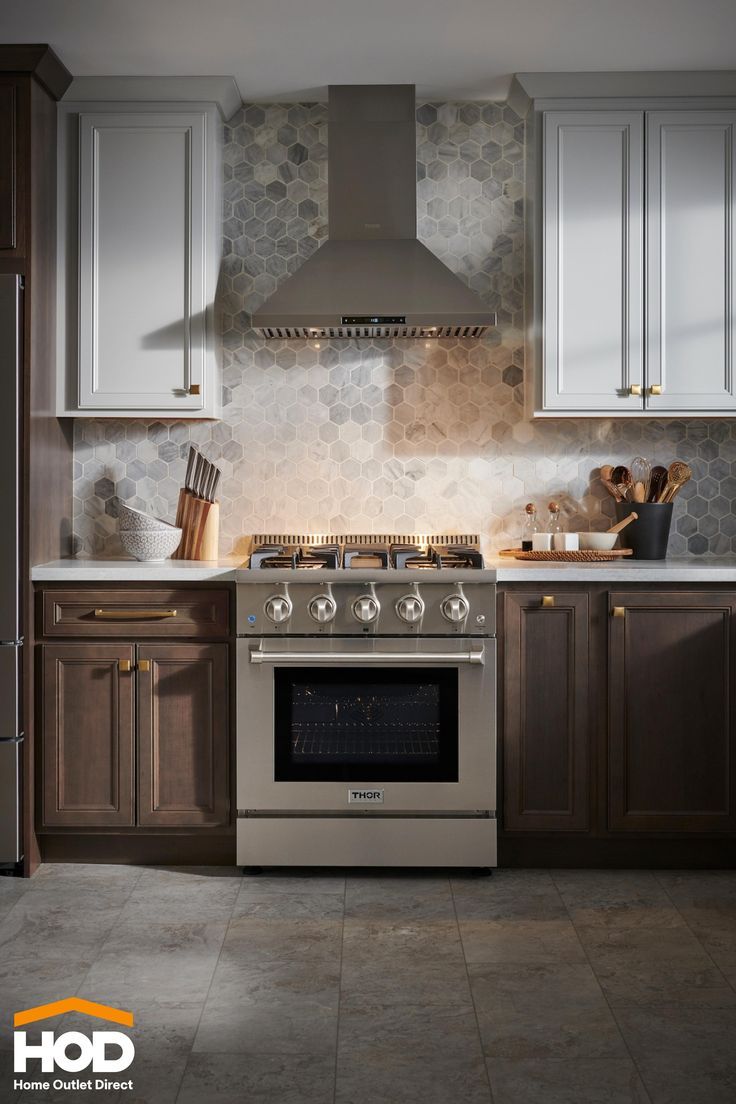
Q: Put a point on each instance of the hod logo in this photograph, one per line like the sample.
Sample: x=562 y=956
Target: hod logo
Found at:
x=101 y=1051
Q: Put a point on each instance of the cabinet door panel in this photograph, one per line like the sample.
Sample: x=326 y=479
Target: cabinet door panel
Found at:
x=8 y=167
x=691 y=234
x=183 y=739
x=141 y=256
x=593 y=260
x=671 y=685
x=88 y=735
x=546 y=713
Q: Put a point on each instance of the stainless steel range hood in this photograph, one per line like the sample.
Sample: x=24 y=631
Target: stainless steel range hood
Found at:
x=372 y=278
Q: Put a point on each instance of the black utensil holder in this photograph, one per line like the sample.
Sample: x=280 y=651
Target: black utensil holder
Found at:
x=648 y=536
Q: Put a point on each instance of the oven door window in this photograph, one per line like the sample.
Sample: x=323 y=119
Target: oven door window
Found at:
x=362 y=725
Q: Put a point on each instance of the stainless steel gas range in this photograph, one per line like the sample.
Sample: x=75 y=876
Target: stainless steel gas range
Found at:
x=366 y=703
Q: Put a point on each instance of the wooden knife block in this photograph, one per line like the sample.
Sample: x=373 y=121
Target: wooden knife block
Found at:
x=199 y=521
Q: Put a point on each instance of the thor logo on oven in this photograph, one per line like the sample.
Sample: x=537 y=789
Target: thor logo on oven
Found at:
x=364 y=797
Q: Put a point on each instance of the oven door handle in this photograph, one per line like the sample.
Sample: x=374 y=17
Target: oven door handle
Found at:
x=257 y=655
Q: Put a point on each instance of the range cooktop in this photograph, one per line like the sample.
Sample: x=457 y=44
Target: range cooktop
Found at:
x=366 y=552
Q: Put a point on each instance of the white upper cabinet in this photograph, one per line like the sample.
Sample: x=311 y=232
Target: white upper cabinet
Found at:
x=632 y=301
x=592 y=261
x=691 y=272
x=141 y=191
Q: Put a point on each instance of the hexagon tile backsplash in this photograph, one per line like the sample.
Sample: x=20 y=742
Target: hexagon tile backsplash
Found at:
x=394 y=436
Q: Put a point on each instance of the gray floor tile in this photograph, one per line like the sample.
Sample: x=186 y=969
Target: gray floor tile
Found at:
x=200 y=901
x=678 y=1031
x=143 y=962
x=293 y=883
x=163 y=1038
x=698 y=886
x=440 y=1078
x=285 y=906
x=626 y=943
x=543 y=1012
x=591 y=894
x=256 y=939
x=576 y=1081
x=81 y=875
x=714 y=925
x=258 y=1079
x=276 y=1007
x=683 y=1079
x=416 y=962
x=188 y=875
x=694 y=980
x=410 y=899
x=11 y=890
x=521 y=941
x=60 y=922
x=380 y=1032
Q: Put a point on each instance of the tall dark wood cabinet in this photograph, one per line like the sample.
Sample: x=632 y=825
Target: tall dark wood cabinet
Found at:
x=672 y=734
x=547 y=711
x=32 y=79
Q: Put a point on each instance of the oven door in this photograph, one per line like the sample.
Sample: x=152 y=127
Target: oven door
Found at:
x=380 y=725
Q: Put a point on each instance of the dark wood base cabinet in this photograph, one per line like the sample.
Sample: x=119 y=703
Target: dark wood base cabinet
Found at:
x=136 y=735
x=617 y=726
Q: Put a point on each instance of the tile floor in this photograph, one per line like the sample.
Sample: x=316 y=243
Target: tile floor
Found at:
x=530 y=987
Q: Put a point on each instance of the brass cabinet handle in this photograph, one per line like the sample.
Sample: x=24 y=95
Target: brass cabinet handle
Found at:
x=144 y=665
x=126 y=615
x=124 y=665
x=619 y=611
x=194 y=389
x=548 y=600
x=635 y=389
x=655 y=389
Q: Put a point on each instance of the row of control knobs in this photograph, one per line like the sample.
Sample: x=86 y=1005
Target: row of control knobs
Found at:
x=366 y=609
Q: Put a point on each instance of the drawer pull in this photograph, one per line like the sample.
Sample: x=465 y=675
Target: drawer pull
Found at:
x=548 y=601
x=133 y=614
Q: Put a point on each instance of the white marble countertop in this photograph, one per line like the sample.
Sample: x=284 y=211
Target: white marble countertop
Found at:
x=686 y=570
x=133 y=571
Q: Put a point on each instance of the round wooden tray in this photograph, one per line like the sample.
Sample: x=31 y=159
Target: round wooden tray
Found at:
x=580 y=556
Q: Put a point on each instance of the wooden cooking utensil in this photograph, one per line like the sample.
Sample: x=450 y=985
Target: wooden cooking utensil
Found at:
x=657 y=482
x=678 y=474
x=622 y=524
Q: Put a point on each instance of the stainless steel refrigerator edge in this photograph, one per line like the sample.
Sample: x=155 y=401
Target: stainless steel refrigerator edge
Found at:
x=11 y=631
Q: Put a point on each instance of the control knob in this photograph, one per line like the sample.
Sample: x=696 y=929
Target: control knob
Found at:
x=454 y=608
x=365 y=609
x=322 y=609
x=278 y=608
x=410 y=608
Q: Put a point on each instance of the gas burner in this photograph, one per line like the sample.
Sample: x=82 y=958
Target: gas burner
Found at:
x=377 y=553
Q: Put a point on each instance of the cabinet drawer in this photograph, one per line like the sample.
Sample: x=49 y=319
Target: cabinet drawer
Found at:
x=123 y=613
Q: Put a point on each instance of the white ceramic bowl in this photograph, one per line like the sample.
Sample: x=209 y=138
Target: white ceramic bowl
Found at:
x=597 y=542
x=153 y=544
x=138 y=521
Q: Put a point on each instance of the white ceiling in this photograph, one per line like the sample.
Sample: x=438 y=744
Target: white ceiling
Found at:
x=291 y=49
